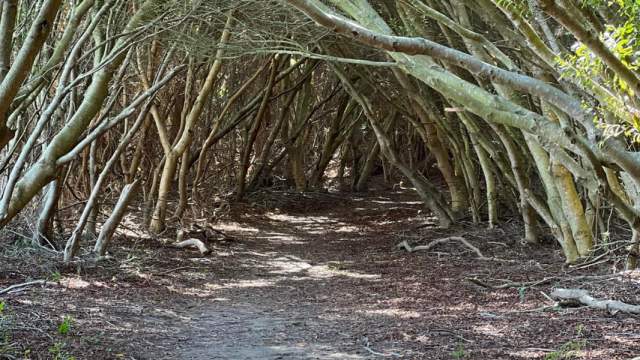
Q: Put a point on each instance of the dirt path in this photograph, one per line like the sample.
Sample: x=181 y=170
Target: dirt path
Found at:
x=298 y=297
x=317 y=277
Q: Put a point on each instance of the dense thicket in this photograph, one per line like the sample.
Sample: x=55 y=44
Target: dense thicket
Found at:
x=525 y=107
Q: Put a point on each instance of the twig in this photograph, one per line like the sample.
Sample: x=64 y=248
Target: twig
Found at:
x=31 y=329
x=18 y=286
x=422 y=226
x=510 y=284
x=381 y=354
x=459 y=337
x=177 y=269
x=588 y=265
x=582 y=297
x=541 y=308
x=528 y=284
x=540 y=349
x=547 y=296
x=219 y=232
x=404 y=244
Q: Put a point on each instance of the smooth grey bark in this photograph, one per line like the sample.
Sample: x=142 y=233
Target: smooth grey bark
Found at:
x=44 y=225
x=43 y=171
x=118 y=212
x=18 y=72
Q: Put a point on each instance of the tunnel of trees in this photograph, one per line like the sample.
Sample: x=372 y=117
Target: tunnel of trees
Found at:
x=167 y=111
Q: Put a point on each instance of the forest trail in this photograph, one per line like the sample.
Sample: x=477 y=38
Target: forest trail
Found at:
x=363 y=179
x=308 y=271
x=320 y=278
x=301 y=276
x=317 y=276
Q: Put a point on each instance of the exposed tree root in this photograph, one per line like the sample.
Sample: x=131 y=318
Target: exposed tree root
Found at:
x=194 y=243
x=582 y=297
x=405 y=245
x=19 y=286
x=373 y=352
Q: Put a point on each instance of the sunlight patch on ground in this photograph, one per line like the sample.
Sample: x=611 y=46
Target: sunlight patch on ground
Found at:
x=209 y=289
x=314 y=225
x=528 y=353
x=603 y=353
x=195 y=292
x=324 y=271
x=397 y=313
x=386 y=222
x=490 y=330
x=223 y=253
x=319 y=220
x=460 y=307
x=347 y=229
x=78 y=283
x=257 y=283
x=630 y=339
x=74 y=283
x=279 y=238
x=202 y=260
x=234 y=226
x=286 y=265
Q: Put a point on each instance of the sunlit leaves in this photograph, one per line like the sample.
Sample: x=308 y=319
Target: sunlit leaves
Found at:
x=618 y=114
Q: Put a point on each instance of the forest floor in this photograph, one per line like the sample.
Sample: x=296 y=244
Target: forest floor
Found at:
x=315 y=276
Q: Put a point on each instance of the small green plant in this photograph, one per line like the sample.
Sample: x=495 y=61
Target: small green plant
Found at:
x=459 y=353
x=521 y=292
x=65 y=326
x=58 y=353
x=55 y=276
x=568 y=350
x=2 y=307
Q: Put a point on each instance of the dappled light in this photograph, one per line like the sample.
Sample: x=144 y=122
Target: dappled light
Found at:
x=319 y=179
x=306 y=294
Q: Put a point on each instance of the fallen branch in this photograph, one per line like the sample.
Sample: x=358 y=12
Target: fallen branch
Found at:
x=178 y=269
x=582 y=297
x=510 y=284
x=452 y=333
x=19 y=286
x=381 y=354
x=193 y=243
x=405 y=245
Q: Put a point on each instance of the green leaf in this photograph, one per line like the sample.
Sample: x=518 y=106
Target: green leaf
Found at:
x=65 y=327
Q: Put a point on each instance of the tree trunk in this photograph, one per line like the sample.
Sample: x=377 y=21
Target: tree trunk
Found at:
x=119 y=211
